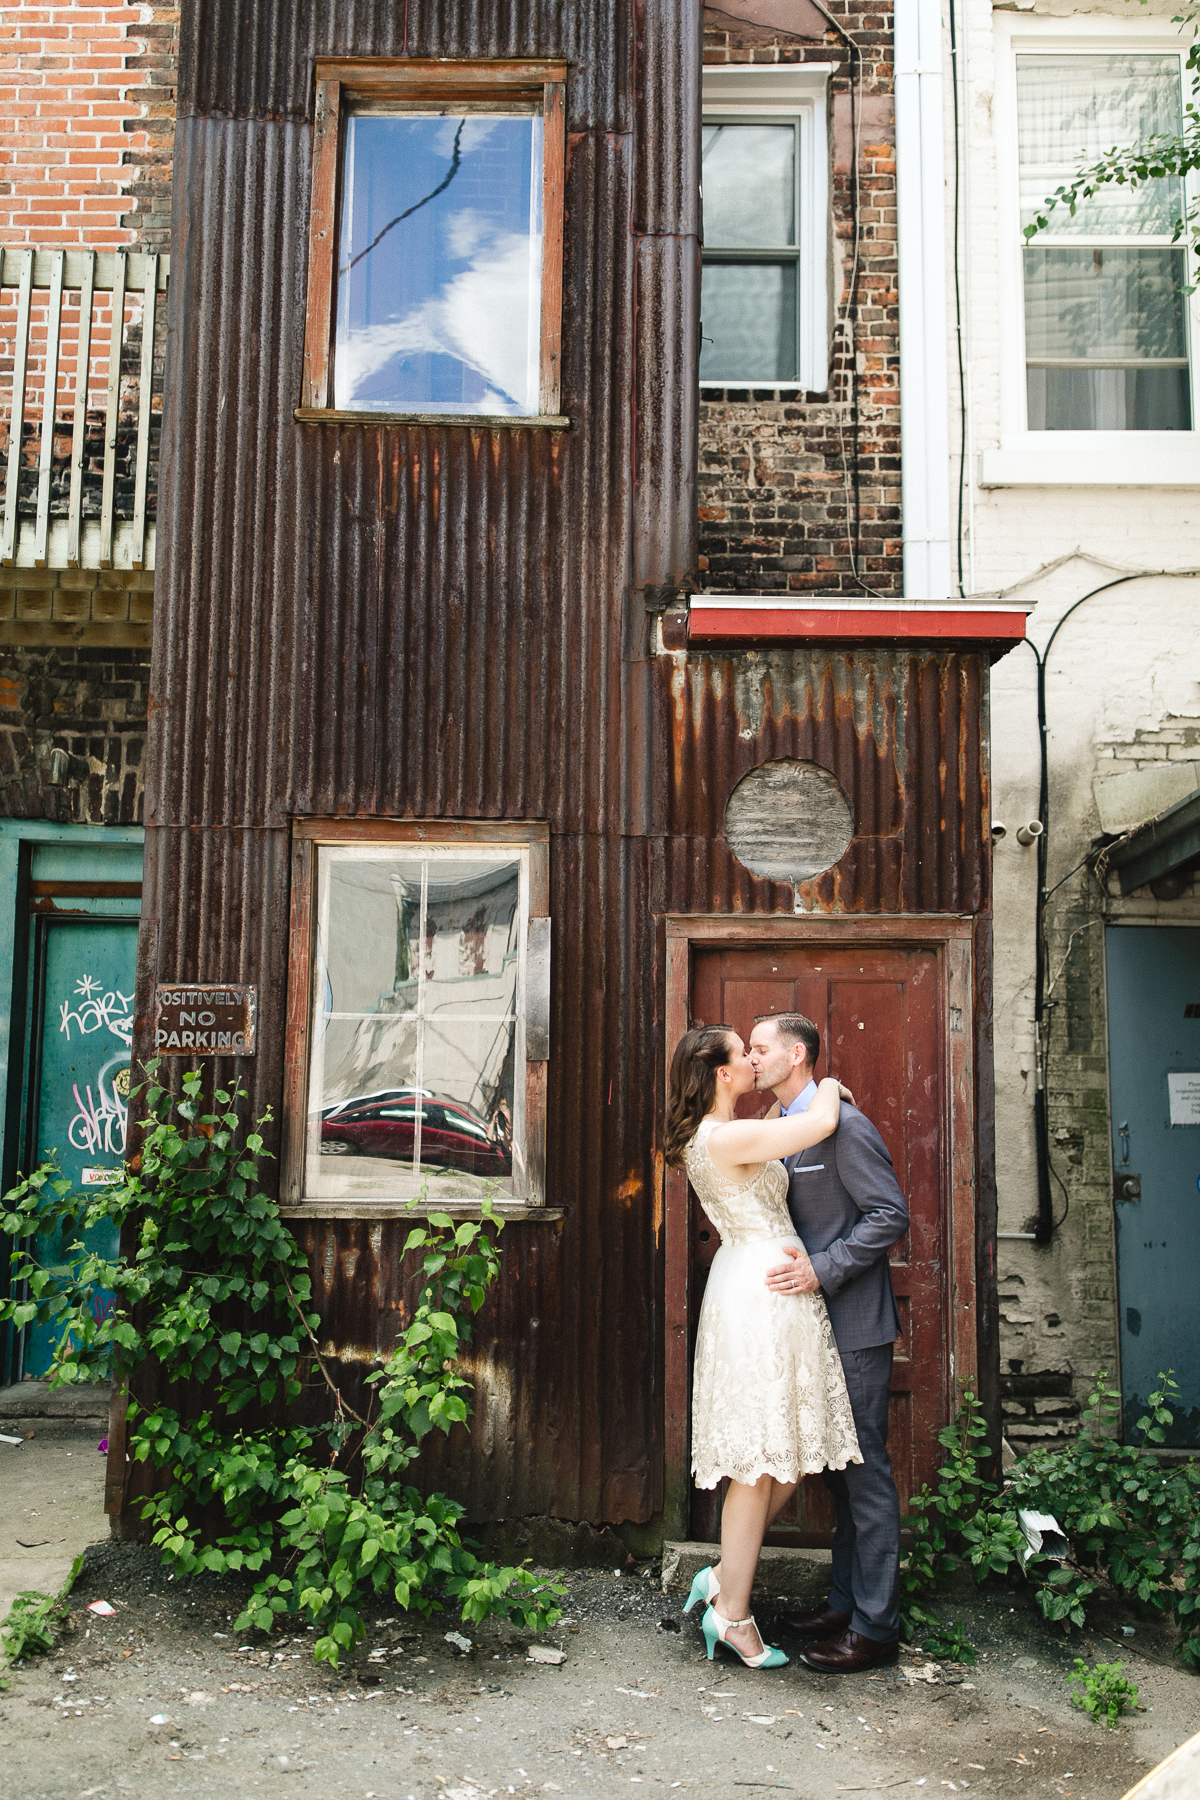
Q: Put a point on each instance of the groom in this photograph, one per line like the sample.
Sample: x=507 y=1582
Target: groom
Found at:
x=847 y=1207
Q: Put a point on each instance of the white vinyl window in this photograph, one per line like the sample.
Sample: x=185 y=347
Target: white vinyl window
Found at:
x=1098 y=380
x=766 y=229
x=1106 y=325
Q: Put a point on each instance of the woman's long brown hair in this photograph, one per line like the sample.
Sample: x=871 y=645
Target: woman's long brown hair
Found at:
x=698 y=1056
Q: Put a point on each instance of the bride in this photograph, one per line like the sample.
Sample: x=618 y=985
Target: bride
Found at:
x=769 y=1400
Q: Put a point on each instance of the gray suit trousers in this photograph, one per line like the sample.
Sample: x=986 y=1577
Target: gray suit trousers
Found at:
x=866 y=1542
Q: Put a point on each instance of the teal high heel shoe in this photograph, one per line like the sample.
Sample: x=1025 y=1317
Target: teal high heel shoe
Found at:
x=715 y=1629
x=705 y=1588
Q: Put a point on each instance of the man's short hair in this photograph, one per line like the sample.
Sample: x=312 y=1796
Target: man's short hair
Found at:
x=794 y=1028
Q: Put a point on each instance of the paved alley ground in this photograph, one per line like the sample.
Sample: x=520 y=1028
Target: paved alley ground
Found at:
x=164 y=1699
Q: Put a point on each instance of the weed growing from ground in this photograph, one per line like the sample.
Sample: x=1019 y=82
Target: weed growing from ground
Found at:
x=34 y=1619
x=949 y=1643
x=1104 y=1693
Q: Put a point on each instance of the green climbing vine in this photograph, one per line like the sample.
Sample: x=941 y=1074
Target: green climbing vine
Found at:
x=216 y=1291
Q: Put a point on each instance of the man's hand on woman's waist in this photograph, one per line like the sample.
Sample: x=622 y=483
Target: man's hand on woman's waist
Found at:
x=794 y=1277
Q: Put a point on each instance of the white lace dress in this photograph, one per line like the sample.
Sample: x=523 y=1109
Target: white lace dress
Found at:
x=768 y=1396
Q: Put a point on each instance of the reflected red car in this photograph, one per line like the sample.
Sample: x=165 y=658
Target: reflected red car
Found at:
x=452 y=1135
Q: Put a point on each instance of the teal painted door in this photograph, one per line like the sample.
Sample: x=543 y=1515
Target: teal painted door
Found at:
x=1154 y=1074
x=83 y=1023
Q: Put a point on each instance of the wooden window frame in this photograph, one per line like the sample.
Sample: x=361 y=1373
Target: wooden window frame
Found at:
x=430 y=84
x=307 y=836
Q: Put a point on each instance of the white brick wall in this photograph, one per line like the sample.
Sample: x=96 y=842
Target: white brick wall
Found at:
x=1123 y=691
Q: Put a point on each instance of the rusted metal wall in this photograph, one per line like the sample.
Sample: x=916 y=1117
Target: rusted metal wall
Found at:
x=440 y=623
x=901 y=731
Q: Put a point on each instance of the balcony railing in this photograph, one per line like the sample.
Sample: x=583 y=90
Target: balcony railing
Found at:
x=82 y=350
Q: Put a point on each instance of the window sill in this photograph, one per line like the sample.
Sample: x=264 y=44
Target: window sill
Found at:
x=311 y=415
x=509 y=1210
x=1094 y=459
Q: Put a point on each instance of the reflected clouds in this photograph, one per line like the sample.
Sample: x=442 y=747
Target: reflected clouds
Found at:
x=439 y=288
x=480 y=317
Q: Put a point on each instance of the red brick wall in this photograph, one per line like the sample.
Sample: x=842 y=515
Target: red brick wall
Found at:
x=87 y=116
x=87 y=119
x=777 y=504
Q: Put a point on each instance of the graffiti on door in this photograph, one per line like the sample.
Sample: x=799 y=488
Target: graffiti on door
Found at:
x=81 y=1079
x=96 y=1009
x=98 y=1123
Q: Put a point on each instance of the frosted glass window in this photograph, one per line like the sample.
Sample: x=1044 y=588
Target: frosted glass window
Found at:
x=749 y=312
x=750 y=286
x=439 y=264
x=1106 y=324
x=749 y=184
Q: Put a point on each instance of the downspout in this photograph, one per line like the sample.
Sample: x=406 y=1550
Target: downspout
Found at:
x=921 y=266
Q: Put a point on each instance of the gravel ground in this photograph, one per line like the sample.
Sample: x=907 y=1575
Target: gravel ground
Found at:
x=162 y=1699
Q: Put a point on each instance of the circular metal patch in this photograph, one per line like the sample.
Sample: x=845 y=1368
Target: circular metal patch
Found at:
x=789 y=820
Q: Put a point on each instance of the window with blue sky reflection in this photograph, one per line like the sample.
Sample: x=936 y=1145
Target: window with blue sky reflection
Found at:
x=439 y=267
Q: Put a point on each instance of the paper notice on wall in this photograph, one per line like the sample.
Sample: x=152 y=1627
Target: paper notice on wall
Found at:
x=1184 y=1091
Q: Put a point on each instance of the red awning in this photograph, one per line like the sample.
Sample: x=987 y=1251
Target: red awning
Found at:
x=993 y=625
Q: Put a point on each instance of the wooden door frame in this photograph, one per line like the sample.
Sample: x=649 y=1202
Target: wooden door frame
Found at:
x=950 y=937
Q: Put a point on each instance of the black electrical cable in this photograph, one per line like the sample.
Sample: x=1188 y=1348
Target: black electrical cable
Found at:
x=1055 y=1224
x=1046 y=1226
x=1050 y=892
x=958 y=309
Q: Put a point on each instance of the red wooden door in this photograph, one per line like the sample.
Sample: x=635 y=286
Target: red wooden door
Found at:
x=877 y=1009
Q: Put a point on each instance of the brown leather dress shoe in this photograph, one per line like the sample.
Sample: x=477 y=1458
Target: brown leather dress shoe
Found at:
x=821 y=1624
x=847 y=1654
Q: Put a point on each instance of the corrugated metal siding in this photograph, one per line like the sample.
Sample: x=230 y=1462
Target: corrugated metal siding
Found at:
x=900 y=729
x=436 y=622
x=430 y=622
x=255 y=61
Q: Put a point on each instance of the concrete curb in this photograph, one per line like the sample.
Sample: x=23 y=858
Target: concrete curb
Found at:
x=36 y=1402
x=782 y=1574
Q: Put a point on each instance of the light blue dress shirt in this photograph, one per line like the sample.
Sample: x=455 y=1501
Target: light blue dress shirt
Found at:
x=803 y=1100
x=800 y=1104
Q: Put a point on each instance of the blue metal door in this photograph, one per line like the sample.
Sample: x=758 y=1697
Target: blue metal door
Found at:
x=1154 y=1073
x=83 y=1022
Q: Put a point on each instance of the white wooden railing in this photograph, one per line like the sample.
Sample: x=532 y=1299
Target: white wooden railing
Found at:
x=41 y=539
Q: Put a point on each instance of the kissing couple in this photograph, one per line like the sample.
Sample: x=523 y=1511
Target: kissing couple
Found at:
x=797 y=1331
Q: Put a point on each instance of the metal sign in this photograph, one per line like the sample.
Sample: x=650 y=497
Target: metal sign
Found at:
x=214 y=1020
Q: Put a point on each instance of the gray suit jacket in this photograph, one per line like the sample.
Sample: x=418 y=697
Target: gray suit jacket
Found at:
x=847 y=1208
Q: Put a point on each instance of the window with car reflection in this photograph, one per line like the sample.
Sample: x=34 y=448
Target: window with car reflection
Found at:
x=417 y=1048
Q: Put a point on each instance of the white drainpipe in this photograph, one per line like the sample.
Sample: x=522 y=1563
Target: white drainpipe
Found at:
x=921 y=259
